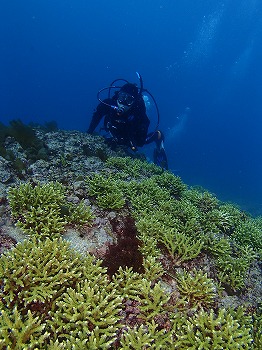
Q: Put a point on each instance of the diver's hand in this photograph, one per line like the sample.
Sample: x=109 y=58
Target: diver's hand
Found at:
x=133 y=147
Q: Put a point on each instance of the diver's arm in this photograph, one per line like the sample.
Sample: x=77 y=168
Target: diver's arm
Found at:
x=99 y=113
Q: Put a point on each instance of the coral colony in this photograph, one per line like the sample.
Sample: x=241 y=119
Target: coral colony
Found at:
x=111 y=252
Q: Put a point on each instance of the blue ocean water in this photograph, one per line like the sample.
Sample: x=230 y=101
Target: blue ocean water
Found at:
x=200 y=59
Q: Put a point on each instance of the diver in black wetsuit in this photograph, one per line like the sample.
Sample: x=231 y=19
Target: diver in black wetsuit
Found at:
x=127 y=122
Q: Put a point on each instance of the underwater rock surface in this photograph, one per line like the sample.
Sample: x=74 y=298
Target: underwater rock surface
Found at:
x=99 y=250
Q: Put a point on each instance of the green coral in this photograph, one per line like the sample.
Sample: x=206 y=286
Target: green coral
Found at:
x=257 y=329
x=172 y=183
x=128 y=168
x=40 y=279
x=65 y=300
x=37 y=273
x=233 y=269
x=18 y=331
x=206 y=330
x=249 y=233
x=43 y=211
x=153 y=269
x=146 y=336
x=106 y=191
x=196 y=289
x=91 y=310
x=80 y=214
x=37 y=209
x=202 y=199
x=55 y=298
x=152 y=299
x=217 y=246
x=126 y=282
x=215 y=221
x=179 y=246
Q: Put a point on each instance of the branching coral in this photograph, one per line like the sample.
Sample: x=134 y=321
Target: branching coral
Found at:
x=146 y=336
x=35 y=273
x=152 y=299
x=196 y=289
x=106 y=190
x=216 y=221
x=126 y=282
x=132 y=168
x=249 y=233
x=203 y=200
x=145 y=196
x=153 y=269
x=37 y=210
x=257 y=330
x=218 y=247
x=209 y=331
x=172 y=183
x=18 y=331
x=43 y=211
x=232 y=270
x=65 y=300
x=80 y=214
x=39 y=278
x=180 y=246
x=92 y=309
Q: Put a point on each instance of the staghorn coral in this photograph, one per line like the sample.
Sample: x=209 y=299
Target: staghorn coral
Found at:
x=35 y=273
x=196 y=289
x=19 y=331
x=43 y=211
x=232 y=270
x=172 y=183
x=106 y=191
x=89 y=313
x=257 y=329
x=39 y=279
x=215 y=221
x=202 y=199
x=80 y=214
x=180 y=246
x=126 y=282
x=37 y=210
x=218 y=247
x=22 y=198
x=132 y=168
x=249 y=233
x=151 y=299
x=145 y=337
x=206 y=330
x=153 y=269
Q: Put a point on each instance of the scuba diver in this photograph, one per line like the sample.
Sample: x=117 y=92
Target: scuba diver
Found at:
x=126 y=121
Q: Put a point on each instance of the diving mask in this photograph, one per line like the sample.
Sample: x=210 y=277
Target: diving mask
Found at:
x=125 y=99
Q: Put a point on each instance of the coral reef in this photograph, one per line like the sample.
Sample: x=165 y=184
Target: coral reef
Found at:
x=196 y=289
x=42 y=210
x=169 y=259
x=226 y=330
x=106 y=191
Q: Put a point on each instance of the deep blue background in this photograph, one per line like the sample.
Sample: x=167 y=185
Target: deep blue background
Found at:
x=204 y=55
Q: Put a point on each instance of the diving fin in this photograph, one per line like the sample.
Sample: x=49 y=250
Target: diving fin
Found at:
x=160 y=158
